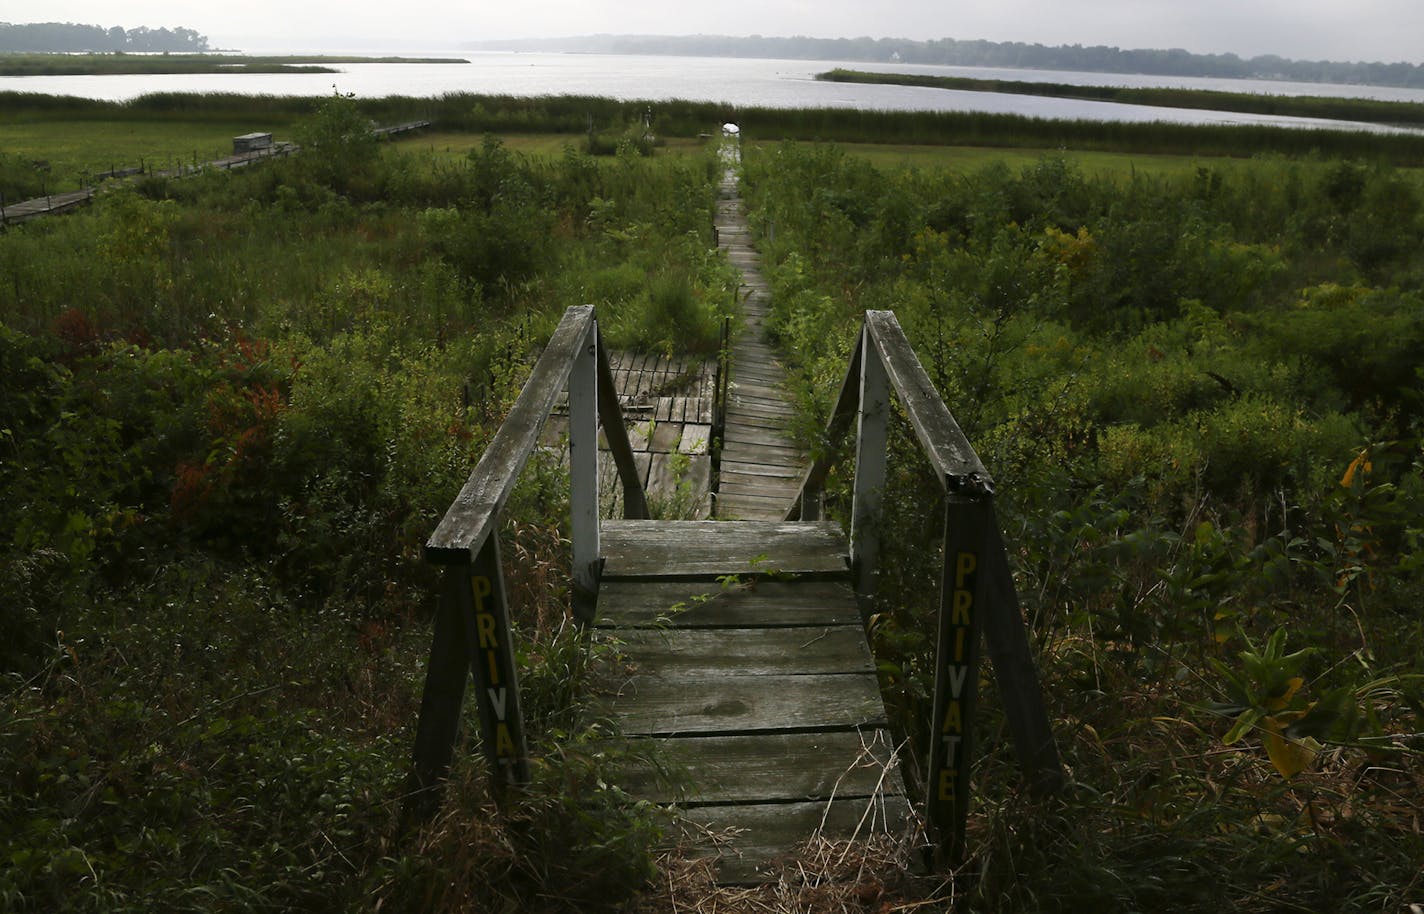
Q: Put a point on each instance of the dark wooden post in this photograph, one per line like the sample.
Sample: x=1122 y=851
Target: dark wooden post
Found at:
x=471 y=636
x=872 y=434
x=964 y=601
x=492 y=659
x=445 y=678
x=1014 y=672
x=583 y=475
x=610 y=415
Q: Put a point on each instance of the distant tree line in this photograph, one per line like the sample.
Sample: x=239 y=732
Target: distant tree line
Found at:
x=1014 y=54
x=69 y=37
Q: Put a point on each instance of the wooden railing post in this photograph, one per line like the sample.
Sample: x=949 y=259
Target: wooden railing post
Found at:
x=610 y=415
x=472 y=631
x=872 y=430
x=487 y=632
x=809 y=502
x=962 y=606
x=583 y=475
x=444 y=693
x=1006 y=638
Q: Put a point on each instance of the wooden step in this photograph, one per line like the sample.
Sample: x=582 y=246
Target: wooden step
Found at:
x=758 y=769
x=751 y=603
x=751 y=842
x=653 y=549
x=730 y=703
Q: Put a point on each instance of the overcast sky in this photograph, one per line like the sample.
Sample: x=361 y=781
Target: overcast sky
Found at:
x=1389 y=30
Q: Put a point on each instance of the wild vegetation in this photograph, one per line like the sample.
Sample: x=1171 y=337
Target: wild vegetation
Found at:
x=95 y=132
x=231 y=409
x=233 y=406
x=1200 y=400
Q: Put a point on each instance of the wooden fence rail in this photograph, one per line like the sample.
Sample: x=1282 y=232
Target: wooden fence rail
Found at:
x=976 y=588
x=472 y=633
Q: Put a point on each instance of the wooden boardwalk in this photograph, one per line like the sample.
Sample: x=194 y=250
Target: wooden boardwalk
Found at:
x=744 y=658
x=57 y=204
x=745 y=664
x=668 y=407
x=742 y=676
x=761 y=466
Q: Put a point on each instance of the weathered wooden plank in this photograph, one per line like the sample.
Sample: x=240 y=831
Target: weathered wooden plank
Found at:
x=762 y=415
x=695 y=439
x=665 y=548
x=766 y=767
x=708 y=604
x=772 y=469
x=770 y=373
x=753 y=391
x=754 y=840
x=753 y=507
x=763 y=486
x=791 y=470
x=741 y=454
x=666 y=436
x=688 y=653
x=665 y=475
x=756 y=436
x=729 y=704
x=639 y=435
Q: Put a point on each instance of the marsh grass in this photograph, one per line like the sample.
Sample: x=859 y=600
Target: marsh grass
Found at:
x=1344 y=109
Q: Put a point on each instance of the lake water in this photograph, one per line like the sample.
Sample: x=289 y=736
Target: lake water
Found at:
x=736 y=82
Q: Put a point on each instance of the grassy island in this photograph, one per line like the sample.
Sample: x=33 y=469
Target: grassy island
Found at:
x=116 y=64
x=1365 y=110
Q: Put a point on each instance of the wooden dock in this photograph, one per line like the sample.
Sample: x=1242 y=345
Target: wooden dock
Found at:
x=745 y=665
x=761 y=467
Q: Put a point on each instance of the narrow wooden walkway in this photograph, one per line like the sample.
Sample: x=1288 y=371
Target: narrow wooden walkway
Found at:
x=746 y=667
x=760 y=466
x=57 y=204
x=668 y=405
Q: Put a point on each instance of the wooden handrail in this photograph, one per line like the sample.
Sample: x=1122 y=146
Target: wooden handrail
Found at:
x=976 y=588
x=472 y=515
x=472 y=631
x=956 y=464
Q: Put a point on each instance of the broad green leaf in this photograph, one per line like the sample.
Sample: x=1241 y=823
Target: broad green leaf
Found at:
x=1243 y=724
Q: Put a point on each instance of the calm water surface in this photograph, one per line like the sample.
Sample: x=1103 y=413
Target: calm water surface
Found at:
x=736 y=82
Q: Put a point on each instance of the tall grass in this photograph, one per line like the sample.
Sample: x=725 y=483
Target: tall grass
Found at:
x=573 y=114
x=1377 y=111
